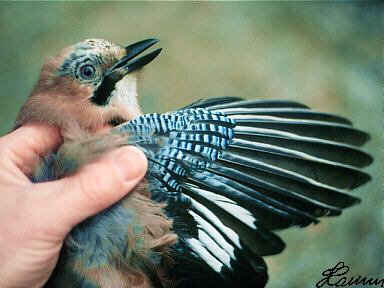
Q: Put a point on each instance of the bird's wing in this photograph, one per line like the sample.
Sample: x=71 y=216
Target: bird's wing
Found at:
x=234 y=171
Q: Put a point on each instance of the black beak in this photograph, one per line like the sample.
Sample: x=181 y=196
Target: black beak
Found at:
x=103 y=93
x=128 y=66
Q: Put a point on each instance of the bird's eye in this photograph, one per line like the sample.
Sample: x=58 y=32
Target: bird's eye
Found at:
x=87 y=71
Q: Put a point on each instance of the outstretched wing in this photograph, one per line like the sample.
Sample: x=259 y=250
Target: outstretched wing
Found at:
x=234 y=171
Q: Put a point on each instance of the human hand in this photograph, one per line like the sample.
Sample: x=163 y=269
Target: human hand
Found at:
x=35 y=218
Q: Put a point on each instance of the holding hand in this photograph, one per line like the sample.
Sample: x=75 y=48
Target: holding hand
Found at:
x=35 y=218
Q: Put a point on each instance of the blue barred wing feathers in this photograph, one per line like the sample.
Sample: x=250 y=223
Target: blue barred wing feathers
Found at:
x=241 y=170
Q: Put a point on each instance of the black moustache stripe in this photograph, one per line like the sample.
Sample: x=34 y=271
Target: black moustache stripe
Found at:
x=102 y=95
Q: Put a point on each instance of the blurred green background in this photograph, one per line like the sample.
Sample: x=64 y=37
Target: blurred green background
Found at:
x=324 y=54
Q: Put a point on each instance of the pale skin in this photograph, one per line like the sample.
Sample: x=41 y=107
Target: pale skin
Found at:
x=35 y=218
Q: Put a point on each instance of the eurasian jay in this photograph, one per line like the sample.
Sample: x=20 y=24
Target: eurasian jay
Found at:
x=223 y=174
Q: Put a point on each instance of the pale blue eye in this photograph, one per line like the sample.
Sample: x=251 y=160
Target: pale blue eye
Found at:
x=87 y=71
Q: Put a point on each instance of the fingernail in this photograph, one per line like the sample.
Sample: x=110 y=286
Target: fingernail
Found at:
x=130 y=163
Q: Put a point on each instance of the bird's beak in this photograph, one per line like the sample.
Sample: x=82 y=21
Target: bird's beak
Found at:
x=126 y=66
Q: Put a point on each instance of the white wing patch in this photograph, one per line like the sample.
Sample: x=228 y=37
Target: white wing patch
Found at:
x=200 y=250
x=228 y=205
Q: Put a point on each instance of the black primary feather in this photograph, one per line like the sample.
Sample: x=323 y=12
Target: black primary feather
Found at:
x=234 y=171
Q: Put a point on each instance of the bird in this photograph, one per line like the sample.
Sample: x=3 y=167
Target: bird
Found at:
x=224 y=174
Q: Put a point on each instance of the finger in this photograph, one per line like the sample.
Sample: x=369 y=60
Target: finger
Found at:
x=24 y=146
x=95 y=187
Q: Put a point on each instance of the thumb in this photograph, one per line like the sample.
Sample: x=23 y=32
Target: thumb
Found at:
x=93 y=188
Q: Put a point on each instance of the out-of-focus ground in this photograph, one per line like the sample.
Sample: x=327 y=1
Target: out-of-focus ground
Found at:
x=326 y=55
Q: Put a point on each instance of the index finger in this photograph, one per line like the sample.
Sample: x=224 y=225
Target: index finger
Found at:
x=28 y=143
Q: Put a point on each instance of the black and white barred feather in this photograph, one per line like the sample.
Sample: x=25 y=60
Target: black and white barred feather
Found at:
x=233 y=171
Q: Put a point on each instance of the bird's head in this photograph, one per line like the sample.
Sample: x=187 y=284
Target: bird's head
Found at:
x=86 y=86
